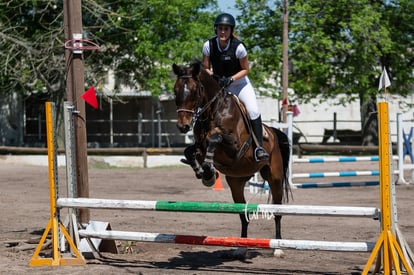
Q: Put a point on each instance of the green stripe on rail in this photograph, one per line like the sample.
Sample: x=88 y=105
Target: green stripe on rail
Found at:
x=206 y=207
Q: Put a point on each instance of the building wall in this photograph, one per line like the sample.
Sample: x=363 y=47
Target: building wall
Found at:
x=317 y=116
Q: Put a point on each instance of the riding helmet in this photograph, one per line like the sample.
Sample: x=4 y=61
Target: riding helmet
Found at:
x=225 y=19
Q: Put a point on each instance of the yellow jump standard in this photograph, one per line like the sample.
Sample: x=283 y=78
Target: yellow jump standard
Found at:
x=391 y=249
x=54 y=224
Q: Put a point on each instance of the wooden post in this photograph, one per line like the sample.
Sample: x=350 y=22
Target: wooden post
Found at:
x=285 y=73
x=74 y=89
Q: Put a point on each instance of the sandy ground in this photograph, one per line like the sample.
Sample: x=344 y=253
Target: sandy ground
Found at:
x=24 y=204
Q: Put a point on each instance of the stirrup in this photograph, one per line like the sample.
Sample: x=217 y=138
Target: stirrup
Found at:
x=260 y=154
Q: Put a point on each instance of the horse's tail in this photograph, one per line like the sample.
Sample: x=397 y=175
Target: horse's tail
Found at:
x=284 y=147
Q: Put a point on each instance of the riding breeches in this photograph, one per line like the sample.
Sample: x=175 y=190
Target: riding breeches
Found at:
x=243 y=89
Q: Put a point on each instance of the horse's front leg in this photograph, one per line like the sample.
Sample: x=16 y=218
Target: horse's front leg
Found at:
x=190 y=159
x=209 y=172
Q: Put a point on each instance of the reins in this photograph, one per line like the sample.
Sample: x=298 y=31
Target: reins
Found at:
x=202 y=109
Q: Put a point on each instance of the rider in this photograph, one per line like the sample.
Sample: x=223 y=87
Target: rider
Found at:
x=227 y=56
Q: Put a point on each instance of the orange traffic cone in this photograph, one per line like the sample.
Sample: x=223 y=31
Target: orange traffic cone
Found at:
x=218 y=184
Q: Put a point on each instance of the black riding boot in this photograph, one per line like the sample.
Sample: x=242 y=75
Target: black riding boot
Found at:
x=259 y=153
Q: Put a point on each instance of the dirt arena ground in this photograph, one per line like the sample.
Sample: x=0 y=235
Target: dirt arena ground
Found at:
x=24 y=204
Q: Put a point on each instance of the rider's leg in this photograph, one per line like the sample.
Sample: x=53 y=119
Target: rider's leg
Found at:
x=248 y=97
x=259 y=153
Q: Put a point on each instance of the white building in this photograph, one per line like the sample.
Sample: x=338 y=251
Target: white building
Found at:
x=314 y=117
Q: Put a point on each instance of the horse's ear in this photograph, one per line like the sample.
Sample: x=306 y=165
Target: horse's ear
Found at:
x=196 y=69
x=176 y=69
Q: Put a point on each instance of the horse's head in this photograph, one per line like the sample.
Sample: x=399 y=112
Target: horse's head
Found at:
x=187 y=91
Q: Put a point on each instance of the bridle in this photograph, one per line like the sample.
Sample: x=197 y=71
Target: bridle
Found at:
x=183 y=109
x=199 y=110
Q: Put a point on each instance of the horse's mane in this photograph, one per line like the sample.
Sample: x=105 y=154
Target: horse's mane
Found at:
x=204 y=75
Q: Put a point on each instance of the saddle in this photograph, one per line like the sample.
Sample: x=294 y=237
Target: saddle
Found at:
x=252 y=136
x=246 y=119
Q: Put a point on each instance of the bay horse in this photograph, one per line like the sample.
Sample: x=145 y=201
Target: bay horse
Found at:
x=224 y=140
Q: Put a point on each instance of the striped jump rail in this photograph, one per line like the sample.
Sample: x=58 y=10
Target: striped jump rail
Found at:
x=335 y=159
x=336 y=174
x=262 y=187
x=219 y=207
x=335 y=184
x=229 y=241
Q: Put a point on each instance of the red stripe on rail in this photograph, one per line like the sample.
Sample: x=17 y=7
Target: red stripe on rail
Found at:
x=224 y=241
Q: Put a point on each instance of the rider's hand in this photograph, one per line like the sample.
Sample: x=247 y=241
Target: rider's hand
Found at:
x=225 y=81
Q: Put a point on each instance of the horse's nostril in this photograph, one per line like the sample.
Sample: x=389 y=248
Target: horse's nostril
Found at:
x=184 y=128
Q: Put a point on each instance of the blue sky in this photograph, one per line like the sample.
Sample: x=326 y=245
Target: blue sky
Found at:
x=228 y=6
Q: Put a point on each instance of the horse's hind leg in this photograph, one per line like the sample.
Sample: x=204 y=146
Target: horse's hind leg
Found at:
x=276 y=188
x=237 y=191
x=278 y=218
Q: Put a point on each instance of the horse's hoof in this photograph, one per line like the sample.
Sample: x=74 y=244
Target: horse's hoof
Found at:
x=279 y=253
x=209 y=175
x=209 y=182
x=185 y=161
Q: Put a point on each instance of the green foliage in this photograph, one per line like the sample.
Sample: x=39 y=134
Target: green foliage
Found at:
x=31 y=51
x=260 y=28
x=334 y=46
x=140 y=41
x=145 y=38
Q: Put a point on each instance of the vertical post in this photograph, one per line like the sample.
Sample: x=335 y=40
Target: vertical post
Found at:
x=400 y=148
x=335 y=135
x=139 y=128
x=70 y=166
x=289 y=121
x=159 y=127
x=53 y=224
x=152 y=126
x=386 y=242
x=39 y=127
x=53 y=176
x=74 y=89
x=111 y=122
x=384 y=163
x=285 y=73
x=69 y=149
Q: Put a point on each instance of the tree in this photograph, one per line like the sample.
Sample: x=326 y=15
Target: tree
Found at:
x=31 y=55
x=340 y=47
x=140 y=40
x=260 y=27
x=143 y=39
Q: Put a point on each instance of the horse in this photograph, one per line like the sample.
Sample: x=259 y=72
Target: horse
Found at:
x=224 y=140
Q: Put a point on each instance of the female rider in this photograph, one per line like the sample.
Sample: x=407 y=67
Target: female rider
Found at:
x=226 y=57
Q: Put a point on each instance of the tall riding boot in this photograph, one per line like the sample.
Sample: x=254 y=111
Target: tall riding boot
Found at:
x=259 y=153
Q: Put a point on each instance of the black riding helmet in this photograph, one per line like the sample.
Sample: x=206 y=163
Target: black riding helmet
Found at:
x=225 y=19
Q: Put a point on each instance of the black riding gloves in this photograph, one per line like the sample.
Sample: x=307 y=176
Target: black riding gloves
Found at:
x=225 y=81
